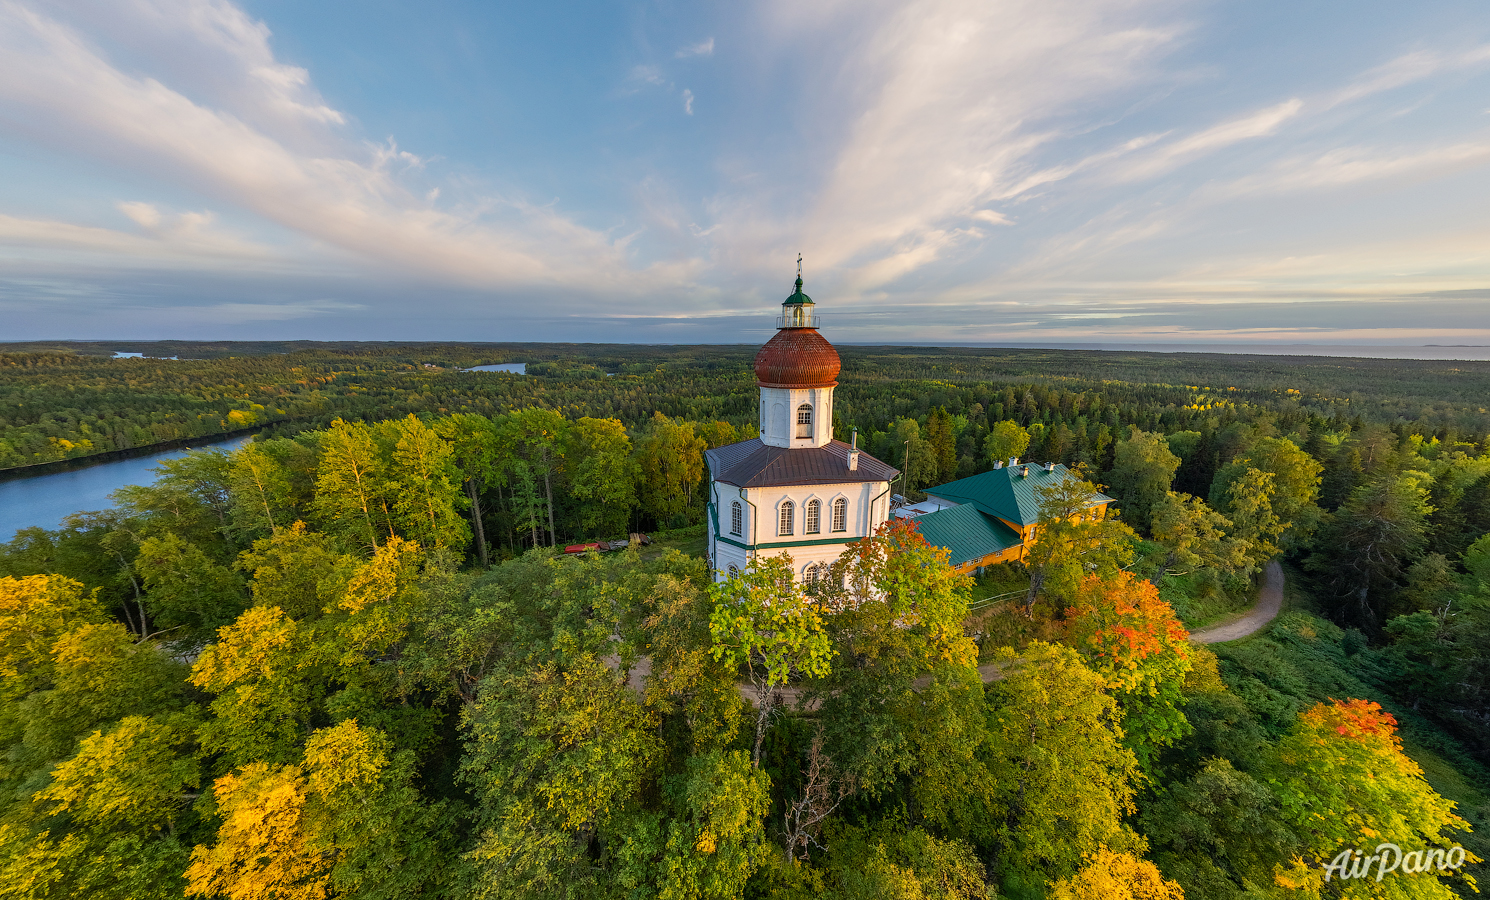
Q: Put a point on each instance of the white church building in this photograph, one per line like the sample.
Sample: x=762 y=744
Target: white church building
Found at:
x=794 y=490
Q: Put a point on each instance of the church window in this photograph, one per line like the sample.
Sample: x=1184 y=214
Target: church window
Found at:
x=811 y=575
x=785 y=524
x=804 y=420
x=733 y=570
x=840 y=514
x=736 y=518
x=814 y=517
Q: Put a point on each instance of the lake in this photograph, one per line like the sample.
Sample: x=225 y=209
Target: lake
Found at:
x=514 y=368
x=45 y=500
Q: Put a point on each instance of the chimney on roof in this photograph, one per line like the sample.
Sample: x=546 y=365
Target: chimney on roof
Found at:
x=853 y=452
x=1013 y=461
x=999 y=464
x=1050 y=467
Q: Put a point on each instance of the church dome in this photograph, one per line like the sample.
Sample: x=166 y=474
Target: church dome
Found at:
x=797 y=358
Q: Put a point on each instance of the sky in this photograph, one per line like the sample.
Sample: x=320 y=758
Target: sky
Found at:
x=952 y=171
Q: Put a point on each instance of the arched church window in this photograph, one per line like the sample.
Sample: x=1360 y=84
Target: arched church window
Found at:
x=736 y=518
x=810 y=575
x=804 y=420
x=840 y=514
x=785 y=524
x=733 y=570
x=814 y=517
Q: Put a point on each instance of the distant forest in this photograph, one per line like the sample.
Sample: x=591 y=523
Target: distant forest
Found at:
x=72 y=399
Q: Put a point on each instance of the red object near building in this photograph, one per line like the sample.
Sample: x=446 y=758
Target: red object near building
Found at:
x=581 y=548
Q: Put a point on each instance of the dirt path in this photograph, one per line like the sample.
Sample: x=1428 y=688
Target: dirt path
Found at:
x=1269 y=602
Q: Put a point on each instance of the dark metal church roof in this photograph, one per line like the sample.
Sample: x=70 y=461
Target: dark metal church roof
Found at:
x=752 y=464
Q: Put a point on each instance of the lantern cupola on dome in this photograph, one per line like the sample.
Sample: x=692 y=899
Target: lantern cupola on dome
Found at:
x=797 y=370
x=797 y=310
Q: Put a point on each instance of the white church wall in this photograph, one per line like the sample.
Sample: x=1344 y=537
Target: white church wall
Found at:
x=779 y=408
x=868 y=507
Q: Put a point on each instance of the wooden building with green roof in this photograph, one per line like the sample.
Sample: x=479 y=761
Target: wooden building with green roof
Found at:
x=991 y=517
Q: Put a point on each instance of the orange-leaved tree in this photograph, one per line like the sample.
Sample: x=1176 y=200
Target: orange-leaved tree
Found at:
x=1133 y=638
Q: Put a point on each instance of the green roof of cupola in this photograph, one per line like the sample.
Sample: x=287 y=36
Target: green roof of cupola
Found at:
x=797 y=298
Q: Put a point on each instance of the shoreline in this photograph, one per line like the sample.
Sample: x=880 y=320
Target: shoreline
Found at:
x=73 y=464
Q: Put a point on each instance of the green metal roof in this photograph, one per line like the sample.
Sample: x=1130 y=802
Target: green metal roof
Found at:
x=797 y=298
x=966 y=532
x=1007 y=494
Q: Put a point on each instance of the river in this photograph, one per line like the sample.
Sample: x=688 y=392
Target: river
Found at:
x=45 y=500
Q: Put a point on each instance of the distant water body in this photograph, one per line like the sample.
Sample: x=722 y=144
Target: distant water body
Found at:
x=514 y=368
x=43 y=501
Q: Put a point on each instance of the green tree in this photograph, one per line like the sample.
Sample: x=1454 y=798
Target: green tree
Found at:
x=903 y=700
x=352 y=486
x=260 y=491
x=765 y=622
x=1295 y=485
x=1073 y=540
x=536 y=437
x=139 y=774
x=671 y=460
x=289 y=568
x=1222 y=828
x=1005 y=441
x=476 y=449
x=943 y=445
x=1142 y=472
x=1062 y=779
x=917 y=458
x=1195 y=535
x=602 y=475
x=1248 y=504
x=556 y=759
x=1371 y=541
x=425 y=492
x=185 y=588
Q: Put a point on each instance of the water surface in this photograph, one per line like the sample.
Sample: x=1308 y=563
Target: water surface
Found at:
x=514 y=368
x=45 y=500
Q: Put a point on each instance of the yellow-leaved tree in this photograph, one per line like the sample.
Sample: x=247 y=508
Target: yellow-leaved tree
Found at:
x=1116 y=876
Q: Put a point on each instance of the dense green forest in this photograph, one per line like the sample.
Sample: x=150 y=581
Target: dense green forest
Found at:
x=70 y=400
x=350 y=660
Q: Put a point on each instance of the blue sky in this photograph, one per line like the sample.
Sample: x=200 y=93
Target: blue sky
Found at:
x=952 y=170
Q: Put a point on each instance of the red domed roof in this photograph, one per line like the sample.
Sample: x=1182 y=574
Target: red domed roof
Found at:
x=798 y=358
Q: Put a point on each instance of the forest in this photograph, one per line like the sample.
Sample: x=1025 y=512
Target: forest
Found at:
x=72 y=400
x=351 y=659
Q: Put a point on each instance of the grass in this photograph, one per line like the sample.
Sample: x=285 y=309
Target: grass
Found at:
x=1200 y=599
x=690 y=541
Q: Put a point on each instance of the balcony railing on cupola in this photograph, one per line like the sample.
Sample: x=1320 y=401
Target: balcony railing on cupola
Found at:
x=799 y=319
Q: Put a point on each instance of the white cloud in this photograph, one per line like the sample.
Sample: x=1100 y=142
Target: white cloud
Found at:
x=702 y=48
x=181 y=240
x=687 y=101
x=57 y=89
x=1409 y=68
x=1351 y=165
x=646 y=75
x=944 y=105
x=1166 y=156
